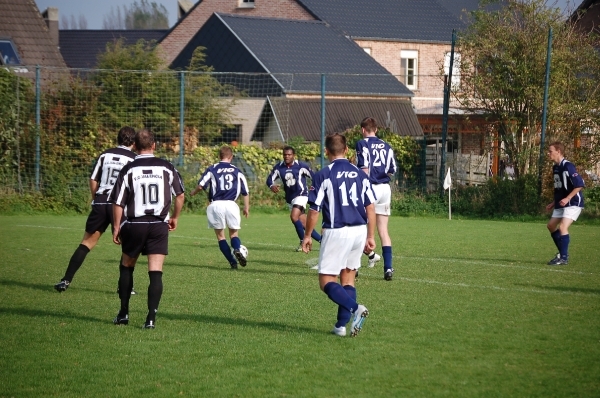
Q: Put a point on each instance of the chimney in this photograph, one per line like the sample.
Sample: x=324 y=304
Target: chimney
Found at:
x=183 y=6
x=51 y=18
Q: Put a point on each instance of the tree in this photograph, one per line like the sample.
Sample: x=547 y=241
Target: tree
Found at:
x=502 y=76
x=142 y=15
x=73 y=23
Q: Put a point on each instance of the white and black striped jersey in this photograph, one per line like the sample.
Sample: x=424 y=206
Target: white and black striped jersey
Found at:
x=145 y=187
x=108 y=166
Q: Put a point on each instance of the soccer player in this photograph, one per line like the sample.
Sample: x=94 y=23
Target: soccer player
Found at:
x=143 y=193
x=342 y=192
x=108 y=166
x=376 y=158
x=224 y=183
x=567 y=204
x=293 y=174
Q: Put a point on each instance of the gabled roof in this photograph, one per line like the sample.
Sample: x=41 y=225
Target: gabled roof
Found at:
x=302 y=117
x=80 y=48
x=21 y=22
x=406 y=20
x=295 y=53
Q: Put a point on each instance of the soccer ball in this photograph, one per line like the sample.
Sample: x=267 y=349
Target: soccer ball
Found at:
x=243 y=250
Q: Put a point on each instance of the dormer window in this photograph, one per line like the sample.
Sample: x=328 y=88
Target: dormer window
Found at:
x=8 y=53
x=246 y=4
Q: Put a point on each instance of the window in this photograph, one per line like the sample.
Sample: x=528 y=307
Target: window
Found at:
x=408 y=67
x=246 y=3
x=455 y=68
x=8 y=53
x=367 y=50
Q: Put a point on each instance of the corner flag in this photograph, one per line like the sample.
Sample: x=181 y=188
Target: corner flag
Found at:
x=447 y=180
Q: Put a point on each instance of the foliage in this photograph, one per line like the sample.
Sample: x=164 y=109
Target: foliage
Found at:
x=142 y=15
x=502 y=76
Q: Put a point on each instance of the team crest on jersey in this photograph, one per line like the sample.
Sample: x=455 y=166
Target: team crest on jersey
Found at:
x=575 y=174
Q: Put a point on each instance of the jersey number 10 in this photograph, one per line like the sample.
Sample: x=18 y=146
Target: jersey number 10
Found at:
x=149 y=194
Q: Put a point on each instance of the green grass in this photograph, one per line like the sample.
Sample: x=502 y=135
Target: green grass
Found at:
x=472 y=311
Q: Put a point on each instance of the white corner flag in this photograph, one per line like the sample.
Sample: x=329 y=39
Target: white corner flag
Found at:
x=447 y=180
x=447 y=185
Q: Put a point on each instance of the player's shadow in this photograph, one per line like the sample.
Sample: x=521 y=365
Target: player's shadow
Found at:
x=276 y=326
x=61 y=316
x=288 y=270
x=492 y=260
x=36 y=286
x=563 y=289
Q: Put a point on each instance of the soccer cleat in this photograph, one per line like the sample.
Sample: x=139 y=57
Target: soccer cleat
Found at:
x=299 y=248
x=148 y=325
x=553 y=259
x=388 y=274
x=121 y=320
x=559 y=261
x=233 y=265
x=240 y=257
x=358 y=319
x=341 y=331
x=375 y=259
x=62 y=286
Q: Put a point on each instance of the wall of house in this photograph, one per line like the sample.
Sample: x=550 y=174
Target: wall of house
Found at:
x=430 y=89
x=246 y=112
x=471 y=143
x=181 y=34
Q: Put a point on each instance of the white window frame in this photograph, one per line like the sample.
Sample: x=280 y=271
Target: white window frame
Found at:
x=367 y=50
x=455 y=69
x=246 y=4
x=5 y=60
x=409 y=66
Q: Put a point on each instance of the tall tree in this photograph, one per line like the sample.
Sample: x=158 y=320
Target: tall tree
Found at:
x=142 y=15
x=502 y=76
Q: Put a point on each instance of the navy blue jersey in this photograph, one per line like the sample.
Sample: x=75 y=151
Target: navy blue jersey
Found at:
x=566 y=179
x=145 y=186
x=108 y=166
x=341 y=191
x=293 y=178
x=223 y=181
x=376 y=155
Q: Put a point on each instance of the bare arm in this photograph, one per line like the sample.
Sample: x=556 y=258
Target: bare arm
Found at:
x=94 y=187
x=371 y=221
x=117 y=215
x=195 y=191
x=247 y=205
x=179 y=199
x=570 y=196
x=311 y=221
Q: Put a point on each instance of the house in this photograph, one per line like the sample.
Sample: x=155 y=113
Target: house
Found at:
x=80 y=48
x=587 y=17
x=25 y=38
x=282 y=62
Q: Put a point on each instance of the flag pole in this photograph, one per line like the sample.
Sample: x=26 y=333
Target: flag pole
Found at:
x=449 y=203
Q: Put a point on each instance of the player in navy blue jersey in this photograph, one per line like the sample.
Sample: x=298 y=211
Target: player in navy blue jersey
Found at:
x=293 y=174
x=224 y=183
x=567 y=203
x=342 y=192
x=143 y=194
x=107 y=168
x=376 y=158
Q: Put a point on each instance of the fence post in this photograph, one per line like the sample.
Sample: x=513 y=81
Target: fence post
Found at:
x=37 y=127
x=181 y=116
x=322 y=121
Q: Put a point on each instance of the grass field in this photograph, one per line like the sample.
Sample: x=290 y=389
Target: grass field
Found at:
x=472 y=311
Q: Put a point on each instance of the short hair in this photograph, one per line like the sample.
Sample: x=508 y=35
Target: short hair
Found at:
x=335 y=144
x=225 y=152
x=289 y=148
x=144 y=140
x=558 y=147
x=126 y=136
x=369 y=124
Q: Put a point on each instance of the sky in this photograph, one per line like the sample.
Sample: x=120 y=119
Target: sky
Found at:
x=94 y=11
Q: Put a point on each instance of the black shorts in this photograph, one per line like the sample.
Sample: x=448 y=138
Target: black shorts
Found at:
x=145 y=237
x=101 y=215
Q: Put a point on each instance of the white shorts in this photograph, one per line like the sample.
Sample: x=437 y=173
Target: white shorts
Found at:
x=383 y=201
x=571 y=212
x=223 y=213
x=299 y=201
x=341 y=248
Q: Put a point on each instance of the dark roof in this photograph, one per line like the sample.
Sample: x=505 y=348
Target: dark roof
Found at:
x=80 y=48
x=21 y=22
x=295 y=53
x=407 y=20
x=302 y=117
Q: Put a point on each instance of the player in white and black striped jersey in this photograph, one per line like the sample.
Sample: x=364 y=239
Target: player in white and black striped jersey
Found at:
x=103 y=177
x=143 y=193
